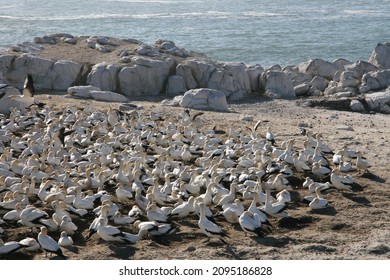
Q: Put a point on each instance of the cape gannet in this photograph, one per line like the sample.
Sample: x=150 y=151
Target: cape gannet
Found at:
x=48 y=244
x=209 y=228
x=11 y=97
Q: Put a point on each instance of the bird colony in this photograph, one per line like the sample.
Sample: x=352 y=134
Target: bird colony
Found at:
x=135 y=175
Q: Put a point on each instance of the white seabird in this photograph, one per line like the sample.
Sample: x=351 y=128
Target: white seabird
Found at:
x=11 y=97
x=48 y=244
x=9 y=247
x=250 y=222
x=110 y=233
x=208 y=227
x=65 y=240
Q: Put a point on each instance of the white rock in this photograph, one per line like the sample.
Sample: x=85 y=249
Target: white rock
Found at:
x=319 y=83
x=107 y=96
x=343 y=94
x=65 y=74
x=344 y=127
x=205 y=99
x=301 y=89
x=318 y=67
x=175 y=85
x=232 y=79
x=376 y=80
x=104 y=76
x=279 y=85
x=357 y=106
x=380 y=56
x=146 y=77
x=378 y=101
x=254 y=72
x=82 y=91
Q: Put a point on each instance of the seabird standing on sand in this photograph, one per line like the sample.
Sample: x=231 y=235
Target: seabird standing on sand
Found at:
x=11 y=97
x=48 y=244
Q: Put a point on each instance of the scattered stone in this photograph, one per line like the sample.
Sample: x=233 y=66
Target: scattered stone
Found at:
x=302 y=89
x=344 y=127
x=172 y=102
x=129 y=107
x=81 y=91
x=72 y=41
x=107 y=96
x=247 y=118
x=357 y=106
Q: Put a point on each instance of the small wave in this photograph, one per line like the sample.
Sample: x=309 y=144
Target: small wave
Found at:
x=151 y=1
x=261 y=14
x=209 y=14
x=360 y=12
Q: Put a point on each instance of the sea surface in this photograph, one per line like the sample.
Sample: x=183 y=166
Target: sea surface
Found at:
x=261 y=32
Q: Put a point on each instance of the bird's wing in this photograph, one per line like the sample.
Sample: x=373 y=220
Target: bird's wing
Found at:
x=28 y=89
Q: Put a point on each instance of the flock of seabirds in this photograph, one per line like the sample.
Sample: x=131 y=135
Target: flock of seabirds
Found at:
x=119 y=171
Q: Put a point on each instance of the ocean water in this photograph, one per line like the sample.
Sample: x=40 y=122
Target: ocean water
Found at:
x=285 y=32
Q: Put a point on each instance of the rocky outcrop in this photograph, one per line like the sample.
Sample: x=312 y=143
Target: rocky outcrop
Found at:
x=146 y=76
x=319 y=67
x=134 y=69
x=176 y=85
x=47 y=74
x=104 y=76
x=204 y=99
x=279 y=85
x=375 y=80
x=380 y=56
x=379 y=101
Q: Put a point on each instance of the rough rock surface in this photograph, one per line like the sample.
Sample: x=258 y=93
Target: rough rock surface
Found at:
x=380 y=56
x=205 y=99
x=279 y=85
x=132 y=68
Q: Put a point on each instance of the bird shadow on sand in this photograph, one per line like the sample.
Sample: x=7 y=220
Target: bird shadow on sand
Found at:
x=328 y=211
x=357 y=199
x=121 y=252
x=272 y=241
x=373 y=177
x=72 y=249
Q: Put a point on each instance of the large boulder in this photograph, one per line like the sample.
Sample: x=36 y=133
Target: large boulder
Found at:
x=81 y=91
x=232 y=79
x=196 y=73
x=65 y=74
x=5 y=65
x=47 y=74
x=146 y=77
x=319 y=67
x=205 y=99
x=279 y=85
x=376 y=80
x=380 y=56
x=175 y=85
x=104 y=76
x=379 y=101
x=40 y=68
x=254 y=73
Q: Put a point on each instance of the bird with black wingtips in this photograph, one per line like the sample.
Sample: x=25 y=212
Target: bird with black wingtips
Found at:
x=9 y=247
x=270 y=136
x=250 y=222
x=11 y=97
x=48 y=244
x=209 y=228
